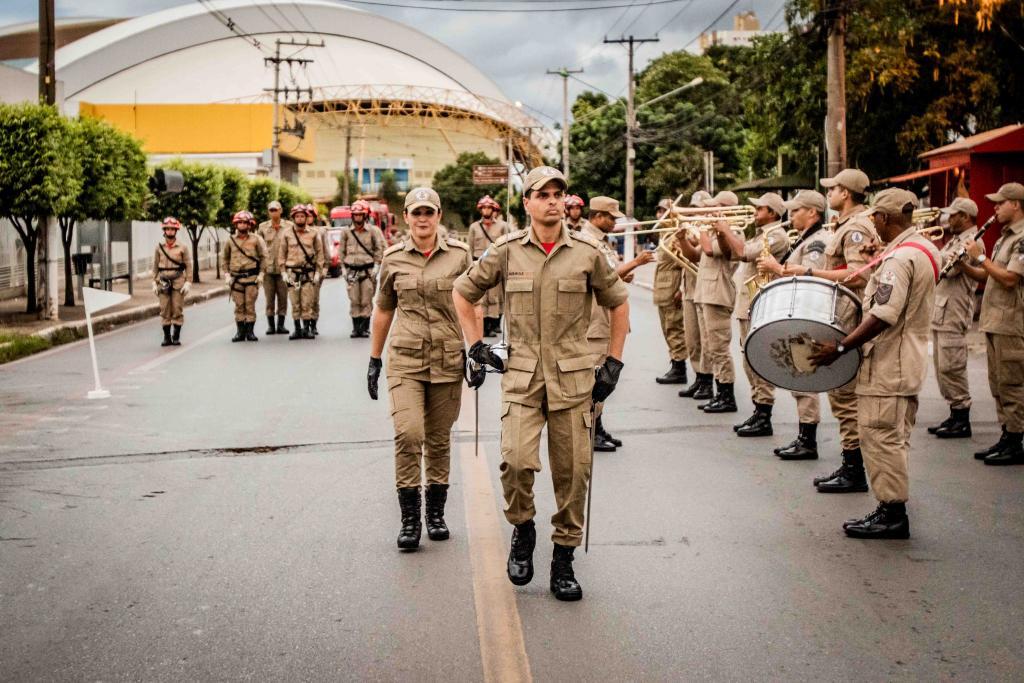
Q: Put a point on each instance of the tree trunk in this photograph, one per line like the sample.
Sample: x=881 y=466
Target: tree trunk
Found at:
x=30 y=239
x=194 y=235
x=67 y=231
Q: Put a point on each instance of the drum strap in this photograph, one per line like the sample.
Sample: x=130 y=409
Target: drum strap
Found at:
x=878 y=259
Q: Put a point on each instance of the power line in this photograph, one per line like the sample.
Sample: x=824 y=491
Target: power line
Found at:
x=232 y=26
x=600 y=8
x=676 y=16
x=714 y=21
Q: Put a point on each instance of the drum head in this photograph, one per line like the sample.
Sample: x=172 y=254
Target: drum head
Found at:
x=778 y=351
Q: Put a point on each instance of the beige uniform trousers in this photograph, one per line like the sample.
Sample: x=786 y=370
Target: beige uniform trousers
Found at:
x=885 y=425
x=691 y=331
x=950 y=352
x=316 y=300
x=172 y=307
x=360 y=296
x=568 y=457
x=243 y=296
x=844 y=408
x=715 y=338
x=598 y=349
x=673 y=327
x=491 y=303
x=1006 y=378
x=808 y=407
x=761 y=391
x=423 y=414
x=275 y=291
x=302 y=297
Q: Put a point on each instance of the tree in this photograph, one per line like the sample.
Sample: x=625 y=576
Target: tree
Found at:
x=389 y=189
x=262 y=191
x=454 y=184
x=343 y=182
x=289 y=195
x=113 y=184
x=234 y=198
x=40 y=176
x=196 y=206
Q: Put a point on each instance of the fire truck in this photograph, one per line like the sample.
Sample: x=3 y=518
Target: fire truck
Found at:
x=341 y=217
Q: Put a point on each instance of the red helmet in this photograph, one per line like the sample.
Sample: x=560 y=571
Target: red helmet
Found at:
x=361 y=206
x=573 y=200
x=311 y=210
x=486 y=200
x=243 y=217
x=298 y=208
x=171 y=222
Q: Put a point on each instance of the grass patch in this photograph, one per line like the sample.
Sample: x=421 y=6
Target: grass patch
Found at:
x=14 y=346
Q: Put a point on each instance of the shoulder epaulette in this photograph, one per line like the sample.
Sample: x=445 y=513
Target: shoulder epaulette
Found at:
x=393 y=248
x=586 y=239
x=452 y=242
x=518 y=234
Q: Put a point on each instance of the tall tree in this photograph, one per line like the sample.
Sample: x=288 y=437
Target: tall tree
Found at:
x=454 y=184
x=262 y=191
x=196 y=206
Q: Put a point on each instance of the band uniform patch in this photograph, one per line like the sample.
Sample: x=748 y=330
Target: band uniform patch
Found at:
x=856 y=238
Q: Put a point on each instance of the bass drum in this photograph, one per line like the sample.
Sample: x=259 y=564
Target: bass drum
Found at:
x=787 y=318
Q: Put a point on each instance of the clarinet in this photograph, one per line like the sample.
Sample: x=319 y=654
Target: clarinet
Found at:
x=959 y=253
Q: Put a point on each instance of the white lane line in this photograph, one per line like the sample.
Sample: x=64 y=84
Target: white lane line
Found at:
x=185 y=348
x=64 y=418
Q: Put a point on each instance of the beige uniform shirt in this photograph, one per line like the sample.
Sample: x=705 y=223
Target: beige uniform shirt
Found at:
x=901 y=292
x=481 y=237
x=850 y=235
x=1002 y=308
x=714 y=278
x=548 y=302
x=600 y=318
x=426 y=340
x=954 y=295
x=301 y=249
x=242 y=256
x=778 y=245
x=164 y=266
x=270 y=234
x=353 y=242
x=668 y=275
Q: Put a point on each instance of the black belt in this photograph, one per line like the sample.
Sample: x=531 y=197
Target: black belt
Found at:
x=365 y=266
x=173 y=270
x=300 y=269
x=246 y=273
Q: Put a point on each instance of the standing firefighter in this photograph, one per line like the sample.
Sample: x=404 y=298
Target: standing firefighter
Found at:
x=275 y=290
x=312 y=221
x=362 y=248
x=302 y=261
x=668 y=297
x=172 y=278
x=245 y=257
x=482 y=234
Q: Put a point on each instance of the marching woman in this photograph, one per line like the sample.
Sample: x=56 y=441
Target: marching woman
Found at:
x=425 y=360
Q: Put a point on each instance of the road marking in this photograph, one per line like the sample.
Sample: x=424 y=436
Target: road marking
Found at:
x=188 y=346
x=502 y=647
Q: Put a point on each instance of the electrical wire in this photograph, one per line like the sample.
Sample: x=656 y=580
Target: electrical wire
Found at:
x=599 y=8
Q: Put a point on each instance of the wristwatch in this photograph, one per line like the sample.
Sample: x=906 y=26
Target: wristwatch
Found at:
x=809 y=271
x=980 y=259
x=840 y=348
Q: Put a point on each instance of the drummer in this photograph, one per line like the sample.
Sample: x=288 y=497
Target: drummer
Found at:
x=806 y=212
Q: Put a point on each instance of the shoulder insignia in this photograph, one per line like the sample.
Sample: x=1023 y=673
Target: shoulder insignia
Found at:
x=393 y=248
x=452 y=242
x=1020 y=246
x=518 y=234
x=585 y=238
x=817 y=245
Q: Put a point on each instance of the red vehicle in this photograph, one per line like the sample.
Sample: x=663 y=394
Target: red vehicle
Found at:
x=380 y=215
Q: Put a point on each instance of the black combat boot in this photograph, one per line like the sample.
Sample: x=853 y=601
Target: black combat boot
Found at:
x=497 y=325
x=437 y=495
x=804 y=447
x=849 y=478
x=945 y=423
x=520 y=555
x=1012 y=452
x=705 y=387
x=271 y=329
x=724 y=401
x=308 y=331
x=409 y=502
x=676 y=374
x=601 y=442
x=175 y=335
x=607 y=435
x=959 y=428
x=366 y=326
x=357 y=324
x=312 y=324
x=297 y=334
x=689 y=391
x=167 y=336
x=250 y=332
x=488 y=327
x=889 y=520
x=563 y=580
x=239 y=331
x=993 y=449
x=281 y=329
x=759 y=424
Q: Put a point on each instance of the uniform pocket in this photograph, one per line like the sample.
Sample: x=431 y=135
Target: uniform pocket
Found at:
x=520 y=296
x=939 y=313
x=576 y=375
x=1011 y=367
x=406 y=353
x=408 y=292
x=395 y=397
x=520 y=373
x=879 y=412
x=453 y=355
x=572 y=294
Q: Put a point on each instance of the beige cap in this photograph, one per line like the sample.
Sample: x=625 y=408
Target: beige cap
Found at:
x=606 y=204
x=541 y=176
x=724 y=198
x=422 y=196
x=962 y=205
x=699 y=197
x=1007 y=191
x=665 y=204
x=772 y=201
x=893 y=201
x=852 y=179
x=806 y=199
x=274 y=205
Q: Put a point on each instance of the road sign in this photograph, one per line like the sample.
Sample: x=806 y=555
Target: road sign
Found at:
x=97 y=300
x=490 y=174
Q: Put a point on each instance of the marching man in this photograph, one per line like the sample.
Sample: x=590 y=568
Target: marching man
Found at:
x=482 y=234
x=172 y=278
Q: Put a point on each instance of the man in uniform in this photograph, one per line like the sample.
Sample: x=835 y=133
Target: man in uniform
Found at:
x=312 y=220
x=362 y=248
x=668 y=297
x=894 y=335
x=1002 y=310
x=275 y=291
x=701 y=388
x=600 y=222
x=954 y=312
x=769 y=238
x=807 y=213
x=551 y=275
x=172 y=278
x=301 y=257
x=244 y=255
x=574 y=213
x=482 y=234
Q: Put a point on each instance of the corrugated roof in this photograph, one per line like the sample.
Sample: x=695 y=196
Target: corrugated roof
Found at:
x=972 y=141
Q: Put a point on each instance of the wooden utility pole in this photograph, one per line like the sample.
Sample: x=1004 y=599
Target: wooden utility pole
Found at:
x=631 y=42
x=348 y=164
x=565 y=72
x=277 y=60
x=835 y=120
x=47 y=48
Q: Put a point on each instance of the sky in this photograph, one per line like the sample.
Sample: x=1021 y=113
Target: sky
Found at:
x=543 y=40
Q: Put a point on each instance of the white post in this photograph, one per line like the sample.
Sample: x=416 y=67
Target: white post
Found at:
x=53 y=251
x=99 y=391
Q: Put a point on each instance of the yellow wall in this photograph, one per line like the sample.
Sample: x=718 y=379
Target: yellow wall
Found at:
x=200 y=128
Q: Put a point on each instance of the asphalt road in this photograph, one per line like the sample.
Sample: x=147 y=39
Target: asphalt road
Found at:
x=229 y=514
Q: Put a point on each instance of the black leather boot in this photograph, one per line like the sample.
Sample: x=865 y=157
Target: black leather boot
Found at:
x=759 y=424
x=959 y=428
x=889 y=520
x=607 y=435
x=366 y=326
x=312 y=325
x=676 y=374
x=433 y=512
x=601 y=442
x=239 y=331
x=701 y=384
x=297 y=332
x=993 y=449
x=357 y=324
x=805 y=447
x=1012 y=452
x=281 y=329
x=409 y=502
x=488 y=327
x=250 y=332
x=175 y=335
x=849 y=478
x=706 y=390
x=271 y=328
x=563 y=581
x=724 y=401
x=520 y=555
x=307 y=332
x=944 y=423
x=167 y=336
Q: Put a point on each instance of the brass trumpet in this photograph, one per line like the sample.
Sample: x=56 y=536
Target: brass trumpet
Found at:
x=932 y=232
x=743 y=210
x=665 y=245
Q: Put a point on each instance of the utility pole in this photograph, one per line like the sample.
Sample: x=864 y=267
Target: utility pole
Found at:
x=277 y=60
x=631 y=42
x=348 y=163
x=565 y=72
x=835 y=120
x=47 y=254
x=47 y=47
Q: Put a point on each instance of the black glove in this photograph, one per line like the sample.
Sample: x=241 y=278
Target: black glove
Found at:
x=483 y=355
x=605 y=380
x=475 y=373
x=373 y=376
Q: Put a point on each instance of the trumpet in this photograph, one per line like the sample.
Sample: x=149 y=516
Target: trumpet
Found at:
x=759 y=280
x=743 y=210
x=665 y=246
x=701 y=224
x=925 y=215
x=932 y=232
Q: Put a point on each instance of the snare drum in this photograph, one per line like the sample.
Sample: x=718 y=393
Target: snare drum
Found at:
x=786 y=317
